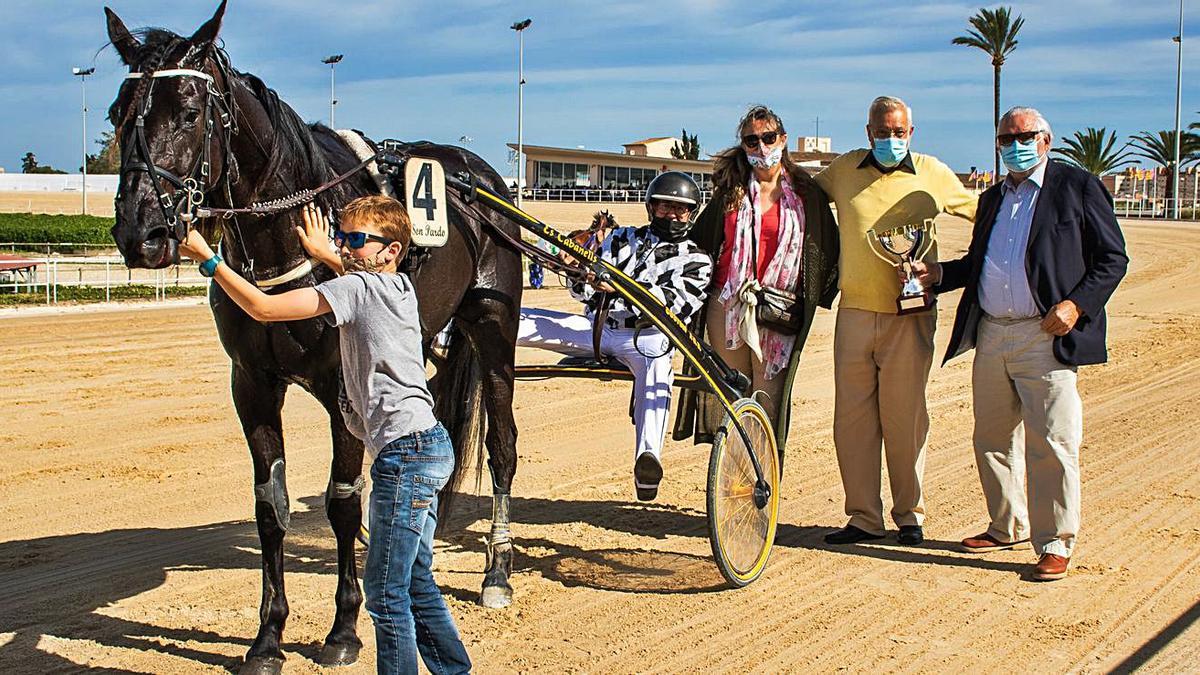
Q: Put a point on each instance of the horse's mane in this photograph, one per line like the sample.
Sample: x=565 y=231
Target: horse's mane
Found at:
x=292 y=140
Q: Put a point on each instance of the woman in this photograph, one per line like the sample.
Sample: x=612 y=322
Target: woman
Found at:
x=767 y=225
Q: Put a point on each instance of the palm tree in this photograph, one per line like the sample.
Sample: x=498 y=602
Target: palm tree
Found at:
x=995 y=32
x=1160 y=149
x=1092 y=150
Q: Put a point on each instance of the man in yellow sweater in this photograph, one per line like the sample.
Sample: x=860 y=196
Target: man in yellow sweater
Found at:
x=881 y=359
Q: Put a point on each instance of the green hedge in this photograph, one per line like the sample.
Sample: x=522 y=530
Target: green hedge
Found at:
x=40 y=227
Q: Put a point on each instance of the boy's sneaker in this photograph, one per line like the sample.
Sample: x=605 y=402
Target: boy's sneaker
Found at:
x=647 y=474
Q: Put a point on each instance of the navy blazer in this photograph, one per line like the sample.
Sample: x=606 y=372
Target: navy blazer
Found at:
x=1076 y=252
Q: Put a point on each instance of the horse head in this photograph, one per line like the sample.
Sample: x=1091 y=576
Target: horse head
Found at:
x=169 y=121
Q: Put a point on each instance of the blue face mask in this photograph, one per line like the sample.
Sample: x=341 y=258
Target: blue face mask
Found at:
x=1020 y=157
x=889 y=151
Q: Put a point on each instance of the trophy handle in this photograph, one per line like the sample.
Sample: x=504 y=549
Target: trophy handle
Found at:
x=874 y=244
x=927 y=235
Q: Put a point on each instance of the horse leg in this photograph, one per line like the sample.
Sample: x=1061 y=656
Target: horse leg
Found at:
x=496 y=365
x=258 y=398
x=343 y=506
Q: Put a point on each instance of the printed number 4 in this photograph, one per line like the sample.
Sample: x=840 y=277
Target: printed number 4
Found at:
x=422 y=196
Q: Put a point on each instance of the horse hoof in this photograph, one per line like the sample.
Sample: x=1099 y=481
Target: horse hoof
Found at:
x=338 y=654
x=496 y=597
x=262 y=665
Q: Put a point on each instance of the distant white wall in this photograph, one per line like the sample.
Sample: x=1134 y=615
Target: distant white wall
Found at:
x=56 y=182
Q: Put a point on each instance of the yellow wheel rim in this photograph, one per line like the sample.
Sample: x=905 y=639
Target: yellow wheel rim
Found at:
x=742 y=532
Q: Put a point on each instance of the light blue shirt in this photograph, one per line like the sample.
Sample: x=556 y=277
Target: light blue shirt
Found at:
x=1004 y=284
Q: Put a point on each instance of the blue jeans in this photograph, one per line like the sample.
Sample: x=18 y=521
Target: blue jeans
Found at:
x=403 y=600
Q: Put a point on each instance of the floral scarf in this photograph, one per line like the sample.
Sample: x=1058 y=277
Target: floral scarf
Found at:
x=738 y=294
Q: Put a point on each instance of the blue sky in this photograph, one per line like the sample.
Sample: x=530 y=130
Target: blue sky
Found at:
x=604 y=73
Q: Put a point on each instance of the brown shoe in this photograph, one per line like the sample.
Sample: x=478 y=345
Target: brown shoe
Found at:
x=1050 y=567
x=986 y=543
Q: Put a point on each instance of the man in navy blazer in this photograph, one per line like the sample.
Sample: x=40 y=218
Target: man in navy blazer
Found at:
x=1045 y=256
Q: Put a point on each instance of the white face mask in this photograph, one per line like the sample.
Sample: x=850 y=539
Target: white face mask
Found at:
x=767 y=161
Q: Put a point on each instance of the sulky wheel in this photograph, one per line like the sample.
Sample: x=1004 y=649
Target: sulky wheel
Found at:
x=740 y=529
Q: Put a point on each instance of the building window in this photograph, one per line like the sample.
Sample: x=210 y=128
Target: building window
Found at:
x=626 y=178
x=704 y=180
x=562 y=175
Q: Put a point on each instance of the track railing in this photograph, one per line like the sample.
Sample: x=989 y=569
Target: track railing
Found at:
x=49 y=275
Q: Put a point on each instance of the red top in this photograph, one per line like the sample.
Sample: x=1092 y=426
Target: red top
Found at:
x=768 y=243
x=12 y=262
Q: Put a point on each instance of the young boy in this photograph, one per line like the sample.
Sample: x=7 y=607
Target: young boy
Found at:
x=387 y=405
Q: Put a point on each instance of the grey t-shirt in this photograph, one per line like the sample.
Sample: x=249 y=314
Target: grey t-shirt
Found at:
x=382 y=363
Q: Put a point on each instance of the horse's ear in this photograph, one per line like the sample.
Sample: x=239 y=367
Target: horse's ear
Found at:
x=206 y=35
x=120 y=37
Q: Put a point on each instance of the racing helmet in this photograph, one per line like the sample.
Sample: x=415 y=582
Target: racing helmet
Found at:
x=673 y=186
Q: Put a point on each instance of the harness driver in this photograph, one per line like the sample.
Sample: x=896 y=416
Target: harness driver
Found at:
x=674 y=269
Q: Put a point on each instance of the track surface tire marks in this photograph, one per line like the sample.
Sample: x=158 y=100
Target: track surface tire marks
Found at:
x=126 y=543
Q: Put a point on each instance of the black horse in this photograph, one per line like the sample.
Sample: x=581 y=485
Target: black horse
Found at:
x=195 y=131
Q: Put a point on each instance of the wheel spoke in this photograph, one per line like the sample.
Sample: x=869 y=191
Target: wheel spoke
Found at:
x=741 y=529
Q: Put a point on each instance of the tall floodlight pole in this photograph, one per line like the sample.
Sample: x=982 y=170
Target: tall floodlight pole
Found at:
x=332 y=61
x=520 y=27
x=83 y=73
x=1178 y=96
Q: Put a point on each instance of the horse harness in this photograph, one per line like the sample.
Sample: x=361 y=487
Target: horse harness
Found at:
x=219 y=113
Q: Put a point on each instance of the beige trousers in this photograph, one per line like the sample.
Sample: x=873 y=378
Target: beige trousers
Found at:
x=1028 y=429
x=745 y=362
x=880 y=367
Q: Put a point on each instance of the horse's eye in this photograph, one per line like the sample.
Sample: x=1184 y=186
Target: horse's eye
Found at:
x=190 y=117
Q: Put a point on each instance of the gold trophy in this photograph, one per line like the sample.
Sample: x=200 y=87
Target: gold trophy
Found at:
x=899 y=247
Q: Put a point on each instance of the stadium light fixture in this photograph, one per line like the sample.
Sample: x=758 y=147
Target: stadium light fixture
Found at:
x=82 y=74
x=520 y=27
x=332 y=61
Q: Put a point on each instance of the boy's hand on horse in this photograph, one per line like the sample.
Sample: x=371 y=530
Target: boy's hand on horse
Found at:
x=314 y=236
x=195 y=247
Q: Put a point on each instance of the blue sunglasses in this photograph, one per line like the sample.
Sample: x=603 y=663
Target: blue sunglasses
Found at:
x=358 y=240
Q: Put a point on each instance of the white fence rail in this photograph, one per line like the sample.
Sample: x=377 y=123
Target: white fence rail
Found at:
x=53 y=247
x=58 y=182
x=48 y=275
x=1189 y=209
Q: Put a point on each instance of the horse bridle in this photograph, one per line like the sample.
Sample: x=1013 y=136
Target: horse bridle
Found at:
x=178 y=215
x=194 y=184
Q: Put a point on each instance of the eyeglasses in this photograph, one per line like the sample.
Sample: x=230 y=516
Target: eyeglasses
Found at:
x=889 y=133
x=1024 y=137
x=358 y=240
x=752 y=140
x=672 y=208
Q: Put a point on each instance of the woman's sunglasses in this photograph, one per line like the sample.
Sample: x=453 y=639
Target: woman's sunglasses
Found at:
x=358 y=239
x=752 y=140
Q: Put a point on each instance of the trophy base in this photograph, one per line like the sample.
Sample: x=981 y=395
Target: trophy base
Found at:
x=914 y=304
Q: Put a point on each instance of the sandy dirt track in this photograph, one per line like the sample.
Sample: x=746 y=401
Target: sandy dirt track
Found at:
x=127 y=545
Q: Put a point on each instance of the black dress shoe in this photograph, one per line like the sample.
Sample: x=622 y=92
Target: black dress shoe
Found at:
x=910 y=535
x=647 y=474
x=850 y=535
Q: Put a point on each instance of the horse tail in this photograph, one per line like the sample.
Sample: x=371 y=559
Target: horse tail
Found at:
x=457 y=390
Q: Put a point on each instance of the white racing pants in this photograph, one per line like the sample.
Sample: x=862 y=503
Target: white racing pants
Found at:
x=571 y=335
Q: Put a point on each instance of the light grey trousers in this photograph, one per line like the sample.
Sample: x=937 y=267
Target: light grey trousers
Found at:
x=1028 y=429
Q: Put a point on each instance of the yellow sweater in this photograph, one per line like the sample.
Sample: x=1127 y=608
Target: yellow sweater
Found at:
x=868 y=199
